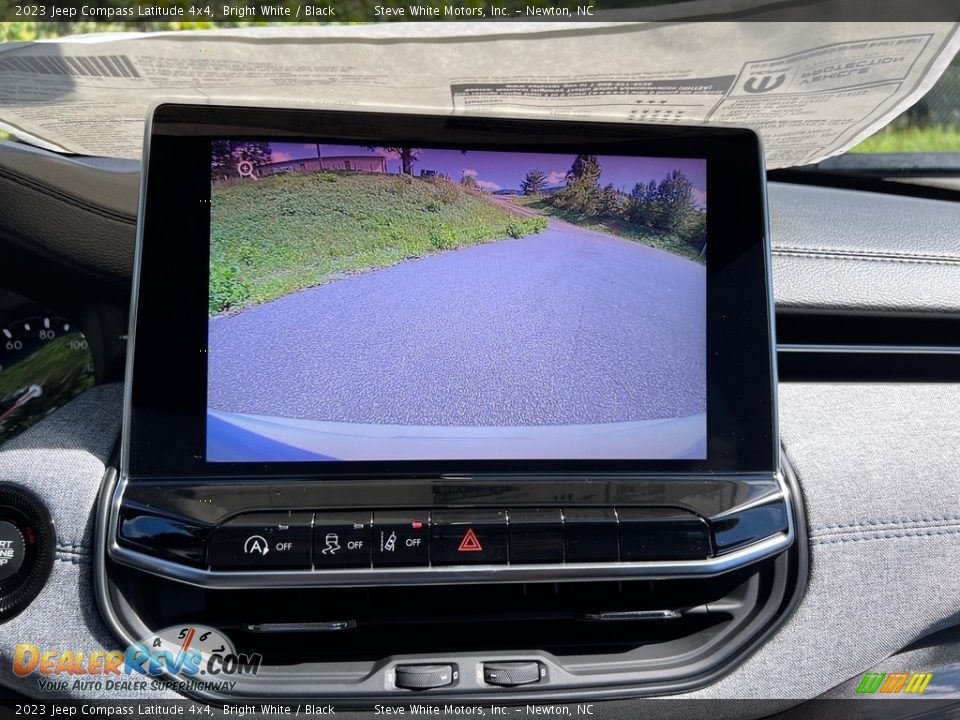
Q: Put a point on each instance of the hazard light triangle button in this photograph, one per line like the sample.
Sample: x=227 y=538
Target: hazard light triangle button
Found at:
x=468 y=537
x=470 y=543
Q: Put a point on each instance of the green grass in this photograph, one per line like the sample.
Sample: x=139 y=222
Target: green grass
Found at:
x=648 y=236
x=911 y=138
x=277 y=235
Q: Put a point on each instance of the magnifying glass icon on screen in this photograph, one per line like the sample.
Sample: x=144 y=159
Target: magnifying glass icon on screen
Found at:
x=245 y=169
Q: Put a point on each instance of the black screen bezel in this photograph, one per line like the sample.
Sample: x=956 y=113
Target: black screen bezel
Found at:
x=165 y=424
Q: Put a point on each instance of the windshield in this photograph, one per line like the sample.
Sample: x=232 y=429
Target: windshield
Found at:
x=908 y=84
x=930 y=126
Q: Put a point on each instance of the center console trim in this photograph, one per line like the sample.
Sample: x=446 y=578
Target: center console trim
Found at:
x=126 y=624
x=441 y=575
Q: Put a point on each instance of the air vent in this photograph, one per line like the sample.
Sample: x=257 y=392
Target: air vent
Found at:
x=870 y=348
x=646 y=635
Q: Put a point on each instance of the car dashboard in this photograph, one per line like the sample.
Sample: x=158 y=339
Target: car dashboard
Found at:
x=867 y=290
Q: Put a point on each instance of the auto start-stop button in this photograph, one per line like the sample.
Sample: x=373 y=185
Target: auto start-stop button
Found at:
x=27 y=547
x=12 y=549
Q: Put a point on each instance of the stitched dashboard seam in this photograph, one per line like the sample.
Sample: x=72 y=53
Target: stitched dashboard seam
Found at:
x=895 y=522
x=869 y=252
x=88 y=206
x=870 y=257
x=880 y=530
x=838 y=540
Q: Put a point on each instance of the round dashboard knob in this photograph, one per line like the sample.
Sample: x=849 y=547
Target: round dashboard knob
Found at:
x=12 y=548
x=27 y=548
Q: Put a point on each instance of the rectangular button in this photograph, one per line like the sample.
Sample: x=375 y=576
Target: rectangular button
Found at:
x=341 y=539
x=536 y=536
x=401 y=538
x=662 y=534
x=749 y=526
x=468 y=537
x=590 y=535
x=263 y=540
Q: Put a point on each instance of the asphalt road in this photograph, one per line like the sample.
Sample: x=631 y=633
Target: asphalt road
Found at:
x=569 y=326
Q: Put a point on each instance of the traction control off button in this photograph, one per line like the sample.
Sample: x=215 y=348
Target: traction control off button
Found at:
x=341 y=539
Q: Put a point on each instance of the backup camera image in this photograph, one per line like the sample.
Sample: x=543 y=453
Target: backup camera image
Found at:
x=403 y=303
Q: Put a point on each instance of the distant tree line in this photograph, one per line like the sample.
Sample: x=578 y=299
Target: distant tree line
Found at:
x=668 y=205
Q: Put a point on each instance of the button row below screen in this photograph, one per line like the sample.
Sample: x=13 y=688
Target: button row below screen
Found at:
x=387 y=539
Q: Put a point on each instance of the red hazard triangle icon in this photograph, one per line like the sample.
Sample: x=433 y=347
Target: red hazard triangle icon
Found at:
x=470 y=542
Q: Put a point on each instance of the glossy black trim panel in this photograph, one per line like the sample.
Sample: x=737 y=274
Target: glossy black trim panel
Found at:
x=752 y=515
x=214 y=500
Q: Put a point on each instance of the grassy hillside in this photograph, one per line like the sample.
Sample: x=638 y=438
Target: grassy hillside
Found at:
x=288 y=232
x=658 y=239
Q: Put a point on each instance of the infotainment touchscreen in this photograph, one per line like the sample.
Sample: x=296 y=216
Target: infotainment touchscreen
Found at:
x=394 y=302
x=356 y=294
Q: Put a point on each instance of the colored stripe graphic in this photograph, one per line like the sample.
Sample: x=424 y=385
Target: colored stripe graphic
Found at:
x=870 y=683
x=918 y=682
x=914 y=683
x=894 y=682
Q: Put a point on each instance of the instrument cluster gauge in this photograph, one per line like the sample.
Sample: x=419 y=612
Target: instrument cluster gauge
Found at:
x=45 y=362
x=180 y=638
x=187 y=650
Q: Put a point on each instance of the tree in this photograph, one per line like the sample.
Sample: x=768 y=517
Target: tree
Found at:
x=676 y=206
x=611 y=202
x=696 y=232
x=582 y=193
x=225 y=154
x=408 y=156
x=469 y=182
x=670 y=206
x=643 y=208
x=586 y=168
x=534 y=182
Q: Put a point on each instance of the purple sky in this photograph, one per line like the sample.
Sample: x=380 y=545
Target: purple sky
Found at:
x=506 y=170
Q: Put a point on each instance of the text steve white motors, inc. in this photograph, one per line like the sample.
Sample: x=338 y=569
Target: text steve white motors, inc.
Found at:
x=445 y=11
